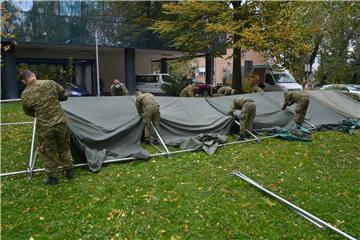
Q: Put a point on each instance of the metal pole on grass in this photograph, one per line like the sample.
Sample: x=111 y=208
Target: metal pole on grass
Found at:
x=307 y=218
x=253 y=135
x=296 y=208
x=16 y=123
x=97 y=63
x=10 y=100
x=162 y=142
x=132 y=158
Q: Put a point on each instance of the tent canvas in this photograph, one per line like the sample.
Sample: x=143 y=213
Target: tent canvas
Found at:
x=338 y=102
x=268 y=114
x=184 y=118
x=105 y=128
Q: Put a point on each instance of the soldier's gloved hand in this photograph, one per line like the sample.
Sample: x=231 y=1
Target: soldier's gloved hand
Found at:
x=232 y=114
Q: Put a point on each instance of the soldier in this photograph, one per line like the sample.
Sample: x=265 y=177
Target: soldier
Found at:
x=40 y=99
x=302 y=102
x=118 y=89
x=225 y=91
x=258 y=88
x=247 y=114
x=148 y=107
x=189 y=91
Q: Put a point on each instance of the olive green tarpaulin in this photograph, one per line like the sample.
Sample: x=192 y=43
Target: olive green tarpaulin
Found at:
x=104 y=128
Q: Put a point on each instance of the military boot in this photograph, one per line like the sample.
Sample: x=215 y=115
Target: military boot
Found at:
x=69 y=173
x=51 y=181
x=241 y=137
x=155 y=141
x=147 y=141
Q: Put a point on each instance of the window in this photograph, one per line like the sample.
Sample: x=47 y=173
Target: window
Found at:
x=70 y=8
x=167 y=78
x=284 y=78
x=147 y=79
x=269 y=79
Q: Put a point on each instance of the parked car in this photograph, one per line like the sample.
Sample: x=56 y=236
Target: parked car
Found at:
x=351 y=88
x=151 y=83
x=280 y=81
x=204 y=88
x=74 y=90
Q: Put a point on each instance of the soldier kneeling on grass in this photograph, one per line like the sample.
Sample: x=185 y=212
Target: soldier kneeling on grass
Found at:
x=189 y=91
x=148 y=107
x=41 y=99
x=226 y=91
x=247 y=114
x=302 y=102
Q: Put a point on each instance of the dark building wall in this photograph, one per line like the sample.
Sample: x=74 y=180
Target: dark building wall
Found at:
x=9 y=83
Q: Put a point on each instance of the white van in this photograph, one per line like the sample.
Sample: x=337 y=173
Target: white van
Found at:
x=151 y=82
x=280 y=81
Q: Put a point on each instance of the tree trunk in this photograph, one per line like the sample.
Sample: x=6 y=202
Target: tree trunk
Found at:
x=237 y=76
x=315 y=51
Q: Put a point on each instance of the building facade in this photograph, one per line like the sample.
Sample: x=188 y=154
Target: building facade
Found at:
x=50 y=35
x=223 y=66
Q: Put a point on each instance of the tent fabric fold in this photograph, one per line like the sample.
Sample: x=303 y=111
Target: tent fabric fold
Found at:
x=105 y=128
x=184 y=118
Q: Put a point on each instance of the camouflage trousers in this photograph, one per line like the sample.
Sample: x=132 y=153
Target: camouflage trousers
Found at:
x=247 y=115
x=300 y=110
x=151 y=114
x=55 y=145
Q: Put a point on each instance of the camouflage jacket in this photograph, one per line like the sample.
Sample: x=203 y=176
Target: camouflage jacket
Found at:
x=41 y=100
x=238 y=103
x=145 y=100
x=293 y=97
x=189 y=91
x=225 y=90
x=120 y=91
x=257 y=89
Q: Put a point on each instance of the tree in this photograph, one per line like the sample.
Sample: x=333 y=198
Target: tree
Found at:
x=339 y=50
x=267 y=27
x=7 y=29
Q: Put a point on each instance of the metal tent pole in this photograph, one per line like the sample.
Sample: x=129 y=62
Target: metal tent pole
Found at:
x=253 y=135
x=97 y=63
x=16 y=123
x=298 y=209
x=32 y=149
x=10 y=100
x=311 y=125
x=162 y=142
x=307 y=218
x=132 y=158
x=31 y=170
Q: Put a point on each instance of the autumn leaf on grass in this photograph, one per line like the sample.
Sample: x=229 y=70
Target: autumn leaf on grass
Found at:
x=174 y=237
x=115 y=213
x=186 y=228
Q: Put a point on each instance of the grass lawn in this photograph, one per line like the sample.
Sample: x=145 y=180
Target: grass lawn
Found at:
x=191 y=196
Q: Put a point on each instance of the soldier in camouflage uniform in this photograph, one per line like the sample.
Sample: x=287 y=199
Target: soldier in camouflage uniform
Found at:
x=302 y=102
x=148 y=107
x=247 y=114
x=118 y=89
x=189 y=91
x=41 y=99
x=225 y=91
x=258 y=88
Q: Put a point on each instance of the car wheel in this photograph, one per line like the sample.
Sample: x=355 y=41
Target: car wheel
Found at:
x=205 y=93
